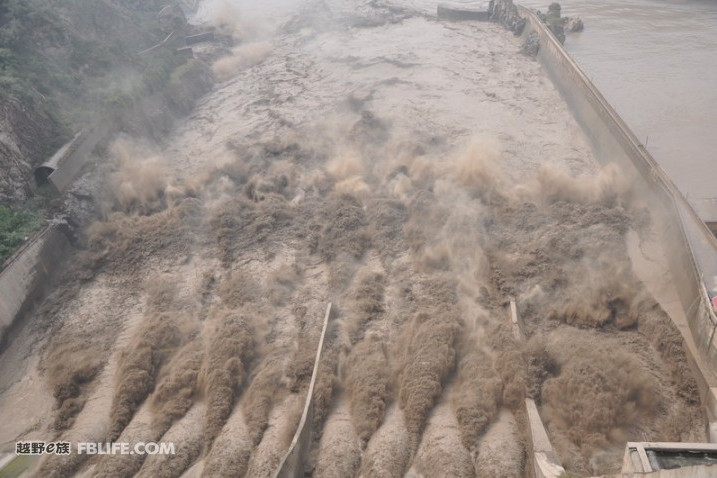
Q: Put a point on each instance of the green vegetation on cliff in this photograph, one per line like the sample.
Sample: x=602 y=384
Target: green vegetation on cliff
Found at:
x=66 y=63
x=61 y=57
x=15 y=227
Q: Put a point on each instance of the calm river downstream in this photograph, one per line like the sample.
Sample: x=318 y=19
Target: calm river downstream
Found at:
x=656 y=62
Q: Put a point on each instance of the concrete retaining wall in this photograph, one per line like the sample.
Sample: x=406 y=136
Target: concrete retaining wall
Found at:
x=546 y=462
x=26 y=273
x=693 y=249
x=292 y=466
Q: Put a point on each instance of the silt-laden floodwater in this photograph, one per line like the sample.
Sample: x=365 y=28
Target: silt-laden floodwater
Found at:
x=417 y=175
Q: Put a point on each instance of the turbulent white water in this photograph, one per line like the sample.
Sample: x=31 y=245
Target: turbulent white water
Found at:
x=654 y=60
x=413 y=173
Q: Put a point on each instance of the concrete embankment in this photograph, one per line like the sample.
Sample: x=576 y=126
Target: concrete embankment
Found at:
x=692 y=249
x=292 y=465
x=26 y=274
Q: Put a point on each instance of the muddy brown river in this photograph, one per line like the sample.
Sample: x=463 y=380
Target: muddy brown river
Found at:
x=417 y=175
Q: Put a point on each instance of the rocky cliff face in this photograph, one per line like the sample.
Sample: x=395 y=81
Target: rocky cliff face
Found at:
x=60 y=64
x=24 y=134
